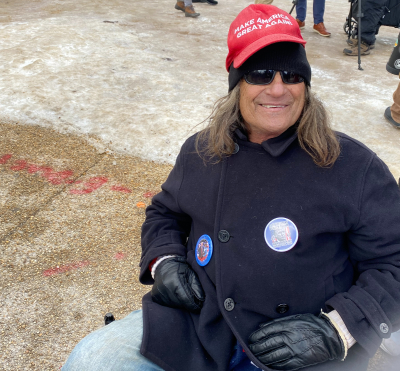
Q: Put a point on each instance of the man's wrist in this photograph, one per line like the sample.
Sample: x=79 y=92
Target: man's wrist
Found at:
x=341 y=327
x=157 y=263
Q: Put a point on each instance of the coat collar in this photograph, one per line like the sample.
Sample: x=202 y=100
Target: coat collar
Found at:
x=274 y=146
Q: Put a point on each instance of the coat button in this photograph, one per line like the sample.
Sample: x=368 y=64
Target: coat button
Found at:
x=282 y=308
x=223 y=235
x=229 y=304
x=236 y=149
x=384 y=328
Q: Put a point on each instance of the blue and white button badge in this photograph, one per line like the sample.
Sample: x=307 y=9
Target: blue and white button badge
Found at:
x=281 y=234
x=204 y=250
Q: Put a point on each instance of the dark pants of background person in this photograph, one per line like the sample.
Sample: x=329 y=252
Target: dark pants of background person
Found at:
x=373 y=11
x=318 y=10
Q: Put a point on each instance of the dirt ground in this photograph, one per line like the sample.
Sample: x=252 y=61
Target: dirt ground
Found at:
x=70 y=221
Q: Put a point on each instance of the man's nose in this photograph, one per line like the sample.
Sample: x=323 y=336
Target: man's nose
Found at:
x=277 y=86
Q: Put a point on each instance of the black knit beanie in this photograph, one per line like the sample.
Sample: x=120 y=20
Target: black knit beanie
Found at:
x=282 y=56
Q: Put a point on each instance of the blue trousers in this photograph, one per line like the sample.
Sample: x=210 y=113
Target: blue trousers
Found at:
x=116 y=347
x=318 y=10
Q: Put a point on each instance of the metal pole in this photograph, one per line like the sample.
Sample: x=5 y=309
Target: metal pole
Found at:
x=359 y=16
x=294 y=4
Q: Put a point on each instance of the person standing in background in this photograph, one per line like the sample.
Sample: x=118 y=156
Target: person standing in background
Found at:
x=373 y=11
x=392 y=114
x=318 y=11
x=186 y=6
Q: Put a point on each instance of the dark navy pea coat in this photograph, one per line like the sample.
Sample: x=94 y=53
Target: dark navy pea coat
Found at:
x=347 y=256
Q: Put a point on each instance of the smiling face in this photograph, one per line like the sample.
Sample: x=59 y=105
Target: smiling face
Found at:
x=269 y=110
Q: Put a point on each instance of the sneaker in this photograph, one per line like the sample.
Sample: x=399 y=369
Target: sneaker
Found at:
x=353 y=50
x=320 y=29
x=354 y=42
x=388 y=116
x=301 y=24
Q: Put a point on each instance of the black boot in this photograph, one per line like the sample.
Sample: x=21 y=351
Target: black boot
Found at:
x=388 y=116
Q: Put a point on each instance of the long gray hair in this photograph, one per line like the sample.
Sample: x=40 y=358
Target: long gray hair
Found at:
x=314 y=132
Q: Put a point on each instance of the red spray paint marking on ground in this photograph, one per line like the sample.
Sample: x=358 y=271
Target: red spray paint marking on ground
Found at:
x=19 y=165
x=5 y=158
x=56 y=178
x=52 y=176
x=65 y=268
x=73 y=182
x=32 y=168
x=149 y=194
x=91 y=185
x=119 y=255
x=63 y=177
x=119 y=188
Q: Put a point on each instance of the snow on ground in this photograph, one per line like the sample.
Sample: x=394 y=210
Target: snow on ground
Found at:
x=138 y=76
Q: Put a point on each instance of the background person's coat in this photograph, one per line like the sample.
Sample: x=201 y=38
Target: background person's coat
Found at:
x=391 y=15
x=347 y=256
x=373 y=11
x=393 y=65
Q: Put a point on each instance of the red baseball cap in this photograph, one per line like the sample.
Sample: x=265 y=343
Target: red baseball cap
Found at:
x=257 y=26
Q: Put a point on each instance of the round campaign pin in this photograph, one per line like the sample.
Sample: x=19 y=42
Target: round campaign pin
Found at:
x=204 y=250
x=281 y=234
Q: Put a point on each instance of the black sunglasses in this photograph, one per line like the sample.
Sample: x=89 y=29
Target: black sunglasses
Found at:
x=265 y=77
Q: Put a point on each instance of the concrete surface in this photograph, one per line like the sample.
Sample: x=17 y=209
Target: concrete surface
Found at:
x=92 y=114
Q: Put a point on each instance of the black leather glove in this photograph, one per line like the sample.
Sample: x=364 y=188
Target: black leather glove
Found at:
x=176 y=285
x=296 y=341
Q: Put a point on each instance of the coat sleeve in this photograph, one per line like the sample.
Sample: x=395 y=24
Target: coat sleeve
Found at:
x=371 y=307
x=166 y=227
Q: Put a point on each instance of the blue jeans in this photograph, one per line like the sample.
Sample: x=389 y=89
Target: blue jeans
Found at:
x=392 y=345
x=318 y=10
x=116 y=347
